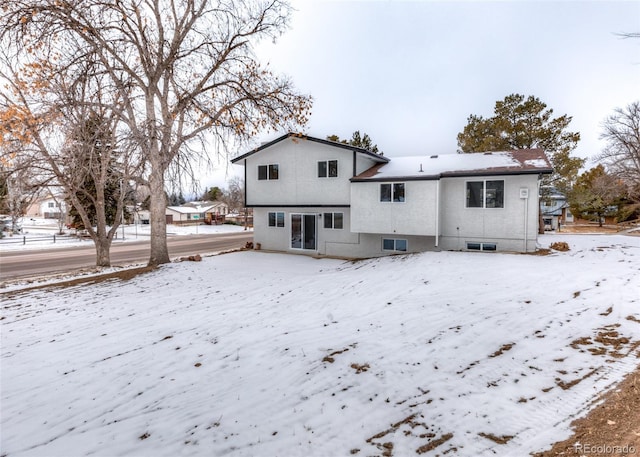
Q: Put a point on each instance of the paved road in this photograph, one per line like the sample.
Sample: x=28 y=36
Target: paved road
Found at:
x=20 y=264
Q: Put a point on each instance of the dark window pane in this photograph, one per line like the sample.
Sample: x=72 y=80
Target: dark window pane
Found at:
x=272 y=219
x=495 y=194
x=280 y=219
x=262 y=172
x=273 y=171
x=309 y=231
x=296 y=231
x=398 y=192
x=333 y=168
x=488 y=246
x=385 y=192
x=328 y=220
x=401 y=245
x=474 y=194
x=337 y=220
x=473 y=246
x=387 y=244
x=322 y=169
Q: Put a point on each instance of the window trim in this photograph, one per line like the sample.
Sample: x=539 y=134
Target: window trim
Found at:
x=484 y=193
x=327 y=168
x=486 y=246
x=392 y=192
x=269 y=172
x=276 y=219
x=332 y=217
x=395 y=244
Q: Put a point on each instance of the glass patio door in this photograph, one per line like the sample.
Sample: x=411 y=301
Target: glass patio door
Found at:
x=303 y=231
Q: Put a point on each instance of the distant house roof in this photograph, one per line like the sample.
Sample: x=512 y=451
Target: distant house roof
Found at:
x=300 y=136
x=189 y=209
x=205 y=204
x=522 y=161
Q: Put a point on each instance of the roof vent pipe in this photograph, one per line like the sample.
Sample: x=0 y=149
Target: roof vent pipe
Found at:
x=421 y=171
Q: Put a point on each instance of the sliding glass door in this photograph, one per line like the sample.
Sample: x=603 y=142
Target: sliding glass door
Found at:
x=303 y=231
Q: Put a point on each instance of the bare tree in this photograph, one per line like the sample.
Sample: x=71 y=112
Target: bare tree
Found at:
x=185 y=69
x=20 y=190
x=621 y=131
x=61 y=122
x=233 y=195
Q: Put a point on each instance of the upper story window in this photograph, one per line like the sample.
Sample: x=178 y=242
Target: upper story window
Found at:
x=392 y=192
x=485 y=194
x=268 y=171
x=328 y=169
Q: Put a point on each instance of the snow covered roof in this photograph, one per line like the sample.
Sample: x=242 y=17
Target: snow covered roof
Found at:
x=523 y=161
x=190 y=209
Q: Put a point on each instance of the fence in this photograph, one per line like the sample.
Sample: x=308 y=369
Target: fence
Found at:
x=24 y=240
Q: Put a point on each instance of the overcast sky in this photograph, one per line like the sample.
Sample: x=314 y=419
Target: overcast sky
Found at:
x=409 y=73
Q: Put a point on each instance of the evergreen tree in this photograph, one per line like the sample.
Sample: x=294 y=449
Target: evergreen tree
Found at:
x=98 y=182
x=213 y=194
x=526 y=123
x=596 y=194
x=357 y=140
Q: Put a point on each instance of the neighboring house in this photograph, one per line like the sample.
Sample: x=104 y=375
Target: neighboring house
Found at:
x=182 y=215
x=319 y=197
x=48 y=208
x=555 y=210
x=215 y=213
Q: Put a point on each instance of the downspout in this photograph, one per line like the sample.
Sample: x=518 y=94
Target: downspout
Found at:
x=437 y=211
x=246 y=210
x=354 y=164
x=526 y=221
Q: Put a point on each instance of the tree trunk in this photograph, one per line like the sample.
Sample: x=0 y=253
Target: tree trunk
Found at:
x=103 y=246
x=157 y=216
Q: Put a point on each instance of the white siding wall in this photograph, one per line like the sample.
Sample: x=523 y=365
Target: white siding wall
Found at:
x=334 y=242
x=415 y=216
x=298 y=182
x=504 y=226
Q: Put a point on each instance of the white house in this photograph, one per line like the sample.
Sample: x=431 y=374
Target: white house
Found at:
x=319 y=197
x=196 y=212
x=49 y=207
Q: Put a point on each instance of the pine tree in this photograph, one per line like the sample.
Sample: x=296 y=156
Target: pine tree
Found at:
x=526 y=123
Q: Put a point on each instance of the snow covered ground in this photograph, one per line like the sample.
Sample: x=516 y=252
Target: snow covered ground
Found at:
x=258 y=354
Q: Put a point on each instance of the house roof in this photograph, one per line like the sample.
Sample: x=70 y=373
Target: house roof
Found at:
x=190 y=209
x=205 y=204
x=522 y=161
x=300 y=136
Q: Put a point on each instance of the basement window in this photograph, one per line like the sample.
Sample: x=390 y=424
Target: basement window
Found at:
x=391 y=244
x=481 y=246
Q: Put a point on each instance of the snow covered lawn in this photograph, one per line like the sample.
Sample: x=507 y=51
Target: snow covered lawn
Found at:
x=258 y=354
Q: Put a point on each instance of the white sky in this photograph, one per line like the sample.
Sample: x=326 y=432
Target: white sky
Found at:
x=409 y=73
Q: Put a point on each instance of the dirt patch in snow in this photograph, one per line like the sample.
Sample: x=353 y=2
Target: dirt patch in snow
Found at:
x=122 y=275
x=589 y=228
x=612 y=428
